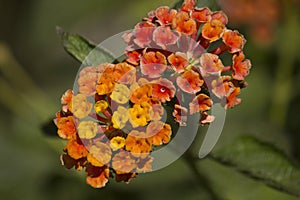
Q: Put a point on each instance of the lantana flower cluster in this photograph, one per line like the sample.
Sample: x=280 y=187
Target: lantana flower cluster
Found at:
x=118 y=116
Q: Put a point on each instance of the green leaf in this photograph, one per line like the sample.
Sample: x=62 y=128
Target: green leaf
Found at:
x=84 y=50
x=261 y=161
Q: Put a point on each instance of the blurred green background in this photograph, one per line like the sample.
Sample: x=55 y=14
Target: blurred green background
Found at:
x=35 y=71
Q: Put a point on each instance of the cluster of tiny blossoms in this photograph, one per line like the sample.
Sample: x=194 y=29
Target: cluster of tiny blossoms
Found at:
x=118 y=115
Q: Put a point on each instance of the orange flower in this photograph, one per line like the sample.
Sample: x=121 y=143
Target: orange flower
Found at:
x=163 y=90
x=210 y=64
x=179 y=61
x=143 y=33
x=123 y=162
x=137 y=143
x=165 y=15
x=153 y=64
x=240 y=66
x=200 y=103
x=190 y=82
x=234 y=40
x=97 y=176
x=164 y=36
x=159 y=132
x=75 y=150
x=99 y=154
x=124 y=73
x=184 y=24
x=222 y=86
x=213 y=30
x=106 y=82
x=180 y=114
x=202 y=15
x=66 y=126
x=88 y=78
x=232 y=100
x=221 y=16
x=67 y=97
x=141 y=94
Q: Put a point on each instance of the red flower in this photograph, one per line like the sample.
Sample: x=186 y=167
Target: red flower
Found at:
x=232 y=100
x=133 y=57
x=234 y=40
x=206 y=119
x=190 y=82
x=202 y=15
x=163 y=90
x=180 y=114
x=240 y=66
x=143 y=34
x=165 y=15
x=200 y=103
x=188 y=5
x=222 y=86
x=184 y=24
x=221 y=16
x=153 y=64
x=164 y=36
x=210 y=64
x=179 y=61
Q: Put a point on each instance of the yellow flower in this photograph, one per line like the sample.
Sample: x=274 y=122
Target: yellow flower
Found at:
x=139 y=114
x=120 y=117
x=87 y=129
x=117 y=142
x=81 y=107
x=100 y=106
x=120 y=94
